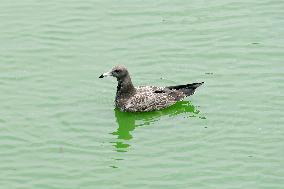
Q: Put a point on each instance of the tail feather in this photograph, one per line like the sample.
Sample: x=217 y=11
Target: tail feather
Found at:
x=187 y=89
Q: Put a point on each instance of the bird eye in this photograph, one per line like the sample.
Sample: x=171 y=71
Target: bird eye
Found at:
x=116 y=71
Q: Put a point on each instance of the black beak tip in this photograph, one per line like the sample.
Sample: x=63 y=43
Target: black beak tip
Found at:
x=101 y=76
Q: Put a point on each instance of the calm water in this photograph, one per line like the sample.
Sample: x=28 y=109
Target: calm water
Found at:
x=58 y=126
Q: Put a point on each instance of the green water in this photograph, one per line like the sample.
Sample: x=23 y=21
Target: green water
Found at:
x=58 y=125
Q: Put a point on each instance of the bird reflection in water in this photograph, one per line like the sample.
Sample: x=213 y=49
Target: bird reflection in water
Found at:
x=127 y=121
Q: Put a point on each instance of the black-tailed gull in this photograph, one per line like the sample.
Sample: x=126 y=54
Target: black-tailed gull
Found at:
x=146 y=98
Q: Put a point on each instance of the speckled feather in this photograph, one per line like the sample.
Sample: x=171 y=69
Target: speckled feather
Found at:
x=149 y=98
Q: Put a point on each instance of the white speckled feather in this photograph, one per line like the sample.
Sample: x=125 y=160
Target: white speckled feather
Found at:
x=146 y=99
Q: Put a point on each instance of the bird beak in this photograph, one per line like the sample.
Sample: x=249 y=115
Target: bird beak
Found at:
x=106 y=74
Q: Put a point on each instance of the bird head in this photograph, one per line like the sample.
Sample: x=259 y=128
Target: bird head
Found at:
x=118 y=71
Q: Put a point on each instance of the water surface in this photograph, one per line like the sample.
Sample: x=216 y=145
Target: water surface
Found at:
x=58 y=126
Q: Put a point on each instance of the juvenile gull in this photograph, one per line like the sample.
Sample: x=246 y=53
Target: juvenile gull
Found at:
x=146 y=98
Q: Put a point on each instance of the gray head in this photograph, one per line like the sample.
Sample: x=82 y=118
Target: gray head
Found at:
x=119 y=72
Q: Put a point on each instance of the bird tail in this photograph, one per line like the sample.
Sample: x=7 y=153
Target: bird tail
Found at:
x=187 y=89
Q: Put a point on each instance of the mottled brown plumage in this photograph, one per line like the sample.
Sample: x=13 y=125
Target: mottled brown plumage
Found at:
x=146 y=98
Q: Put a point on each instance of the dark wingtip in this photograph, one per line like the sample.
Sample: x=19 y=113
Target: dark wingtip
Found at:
x=101 y=76
x=198 y=84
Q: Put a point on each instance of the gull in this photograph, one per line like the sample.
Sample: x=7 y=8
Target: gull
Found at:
x=145 y=98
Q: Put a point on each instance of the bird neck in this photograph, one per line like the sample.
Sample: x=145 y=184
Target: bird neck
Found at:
x=125 y=87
